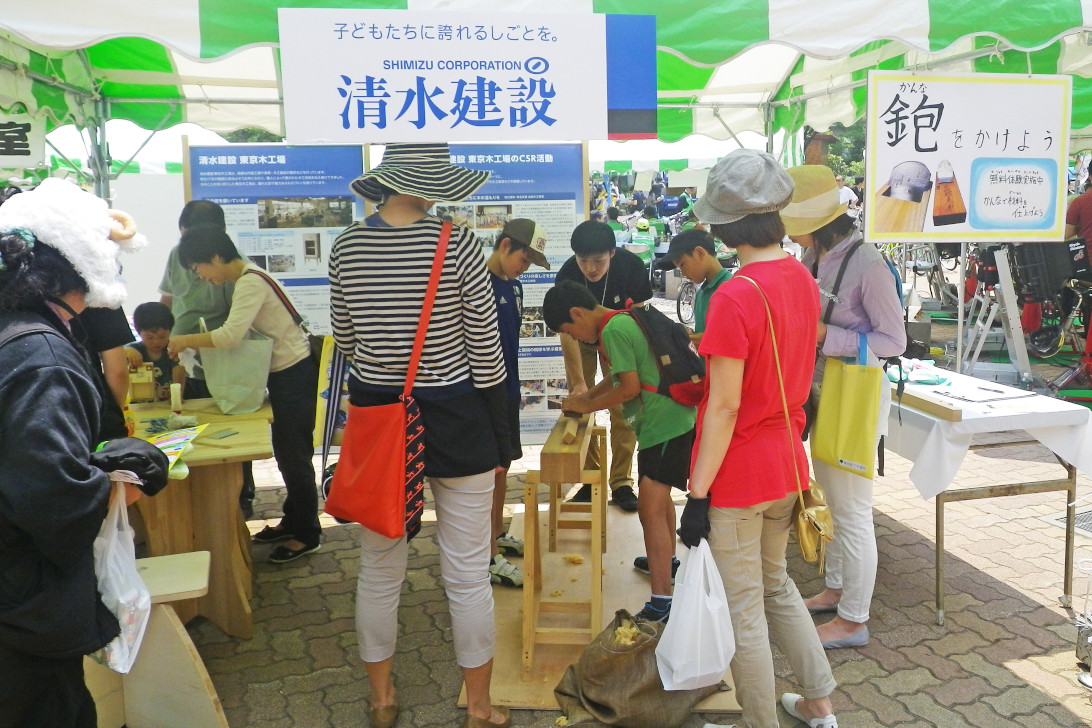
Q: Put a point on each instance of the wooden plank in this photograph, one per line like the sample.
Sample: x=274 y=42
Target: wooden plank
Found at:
x=571 y=425
x=920 y=398
x=562 y=462
x=176 y=576
x=898 y=216
x=169 y=686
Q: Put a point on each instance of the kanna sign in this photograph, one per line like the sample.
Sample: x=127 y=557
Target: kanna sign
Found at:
x=979 y=157
x=358 y=75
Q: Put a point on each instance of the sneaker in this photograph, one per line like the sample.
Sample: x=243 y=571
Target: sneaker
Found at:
x=650 y=613
x=583 y=495
x=269 y=534
x=504 y=572
x=624 y=497
x=282 y=554
x=641 y=564
x=510 y=545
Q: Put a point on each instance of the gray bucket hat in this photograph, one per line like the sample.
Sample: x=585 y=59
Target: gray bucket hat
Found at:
x=746 y=182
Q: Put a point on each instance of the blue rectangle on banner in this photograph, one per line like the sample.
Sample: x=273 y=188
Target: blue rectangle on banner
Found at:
x=631 y=76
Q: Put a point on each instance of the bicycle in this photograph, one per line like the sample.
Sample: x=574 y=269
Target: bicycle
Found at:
x=684 y=305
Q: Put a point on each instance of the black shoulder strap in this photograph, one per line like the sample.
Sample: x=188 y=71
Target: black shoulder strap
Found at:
x=838 y=280
x=22 y=324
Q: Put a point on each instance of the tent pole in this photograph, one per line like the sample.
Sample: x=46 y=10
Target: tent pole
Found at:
x=100 y=151
x=767 y=126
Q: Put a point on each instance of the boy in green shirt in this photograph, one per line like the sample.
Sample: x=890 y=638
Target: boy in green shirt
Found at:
x=695 y=253
x=665 y=428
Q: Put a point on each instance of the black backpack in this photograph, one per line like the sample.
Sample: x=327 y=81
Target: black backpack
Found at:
x=682 y=369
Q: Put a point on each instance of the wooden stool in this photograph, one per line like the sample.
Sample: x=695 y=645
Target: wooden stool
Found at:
x=562 y=462
x=168 y=685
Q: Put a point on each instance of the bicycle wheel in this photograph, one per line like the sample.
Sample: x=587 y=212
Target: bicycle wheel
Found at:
x=684 y=306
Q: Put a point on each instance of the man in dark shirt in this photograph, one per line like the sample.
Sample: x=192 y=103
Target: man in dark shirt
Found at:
x=613 y=276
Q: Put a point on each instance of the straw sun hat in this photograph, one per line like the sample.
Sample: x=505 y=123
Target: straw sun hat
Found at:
x=814 y=200
x=423 y=170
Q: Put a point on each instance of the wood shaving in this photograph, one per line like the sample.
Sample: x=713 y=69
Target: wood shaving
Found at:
x=574 y=558
x=561 y=720
x=557 y=592
x=626 y=634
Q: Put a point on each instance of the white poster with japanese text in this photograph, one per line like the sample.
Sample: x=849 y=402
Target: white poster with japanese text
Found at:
x=373 y=76
x=22 y=141
x=977 y=158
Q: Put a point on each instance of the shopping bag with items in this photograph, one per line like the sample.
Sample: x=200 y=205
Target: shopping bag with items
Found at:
x=123 y=591
x=698 y=643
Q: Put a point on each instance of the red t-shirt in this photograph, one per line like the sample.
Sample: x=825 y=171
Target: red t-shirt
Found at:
x=757 y=467
x=1080 y=214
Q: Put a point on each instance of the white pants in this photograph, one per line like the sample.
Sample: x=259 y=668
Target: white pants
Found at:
x=851 y=557
x=463 y=507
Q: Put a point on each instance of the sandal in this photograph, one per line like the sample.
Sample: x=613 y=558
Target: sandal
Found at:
x=476 y=722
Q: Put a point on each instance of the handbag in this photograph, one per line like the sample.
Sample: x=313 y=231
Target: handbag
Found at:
x=698 y=644
x=811 y=515
x=236 y=376
x=315 y=342
x=123 y=591
x=380 y=475
x=849 y=406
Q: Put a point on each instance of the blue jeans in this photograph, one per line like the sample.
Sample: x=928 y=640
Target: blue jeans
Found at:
x=293 y=393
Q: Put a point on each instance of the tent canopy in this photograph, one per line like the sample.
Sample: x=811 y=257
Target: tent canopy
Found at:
x=723 y=68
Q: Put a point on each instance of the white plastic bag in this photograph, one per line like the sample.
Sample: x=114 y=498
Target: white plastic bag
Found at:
x=698 y=642
x=236 y=376
x=123 y=590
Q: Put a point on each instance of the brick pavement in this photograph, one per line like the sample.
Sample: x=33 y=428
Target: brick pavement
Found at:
x=1004 y=657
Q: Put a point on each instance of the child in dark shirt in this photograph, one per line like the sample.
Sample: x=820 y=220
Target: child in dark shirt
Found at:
x=521 y=243
x=153 y=322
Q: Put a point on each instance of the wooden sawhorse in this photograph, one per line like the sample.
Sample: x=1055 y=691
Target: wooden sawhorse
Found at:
x=562 y=461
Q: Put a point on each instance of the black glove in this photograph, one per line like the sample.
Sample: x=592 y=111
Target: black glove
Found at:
x=131 y=453
x=694 y=523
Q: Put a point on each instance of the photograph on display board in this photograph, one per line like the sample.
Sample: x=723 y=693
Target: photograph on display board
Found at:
x=282 y=264
x=458 y=214
x=532 y=386
x=304 y=212
x=557 y=386
x=531 y=402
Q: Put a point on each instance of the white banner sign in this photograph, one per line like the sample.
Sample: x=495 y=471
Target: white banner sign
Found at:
x=22 y=141
x=357 y=75
x=980 y=157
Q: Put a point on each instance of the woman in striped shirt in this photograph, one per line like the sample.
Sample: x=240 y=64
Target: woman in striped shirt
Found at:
x=379 y=271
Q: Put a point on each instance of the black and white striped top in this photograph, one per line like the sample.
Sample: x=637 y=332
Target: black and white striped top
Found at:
x=378 y=279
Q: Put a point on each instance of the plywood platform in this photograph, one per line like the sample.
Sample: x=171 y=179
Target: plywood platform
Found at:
x=623 y=587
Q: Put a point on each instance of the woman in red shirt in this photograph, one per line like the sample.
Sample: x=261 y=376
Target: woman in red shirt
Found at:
x=744 y=478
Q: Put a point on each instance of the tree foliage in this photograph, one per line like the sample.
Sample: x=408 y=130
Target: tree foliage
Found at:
x=251 y=135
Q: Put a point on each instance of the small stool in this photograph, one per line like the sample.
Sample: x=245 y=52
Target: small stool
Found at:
x=168 y=685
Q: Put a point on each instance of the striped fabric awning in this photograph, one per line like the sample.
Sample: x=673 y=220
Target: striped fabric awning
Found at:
x=723 y=67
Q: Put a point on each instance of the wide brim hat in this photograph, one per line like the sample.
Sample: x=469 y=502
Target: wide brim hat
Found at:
x=814 y=201
x=422 y=170
x=745 y=182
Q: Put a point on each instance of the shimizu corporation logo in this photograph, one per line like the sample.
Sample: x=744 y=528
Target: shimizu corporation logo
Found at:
x=536 y=65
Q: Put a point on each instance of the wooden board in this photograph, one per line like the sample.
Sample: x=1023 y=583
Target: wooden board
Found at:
x=920 y=398
x=623 y=587
x=177 y=576
x=562 y=462
x=898 y=216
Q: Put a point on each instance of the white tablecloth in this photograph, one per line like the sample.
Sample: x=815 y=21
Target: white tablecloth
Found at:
x=937 y=447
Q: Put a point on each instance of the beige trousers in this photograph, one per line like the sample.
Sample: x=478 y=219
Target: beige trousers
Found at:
x=623 y=440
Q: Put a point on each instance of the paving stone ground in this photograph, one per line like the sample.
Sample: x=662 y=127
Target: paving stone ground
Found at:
x=1004 y=656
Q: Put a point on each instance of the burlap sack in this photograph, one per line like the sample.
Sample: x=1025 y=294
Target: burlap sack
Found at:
x=618 y=684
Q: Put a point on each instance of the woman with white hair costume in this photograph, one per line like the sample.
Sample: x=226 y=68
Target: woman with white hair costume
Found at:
x=59 y=248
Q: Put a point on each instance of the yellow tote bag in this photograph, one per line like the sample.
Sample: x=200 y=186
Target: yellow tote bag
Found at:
x=844 y=435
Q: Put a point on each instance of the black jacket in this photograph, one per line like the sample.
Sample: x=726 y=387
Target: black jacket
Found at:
x=52 y=500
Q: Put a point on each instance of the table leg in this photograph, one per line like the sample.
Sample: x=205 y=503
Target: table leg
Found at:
x=218 y=528
x=1070 y=524
x=941 y=500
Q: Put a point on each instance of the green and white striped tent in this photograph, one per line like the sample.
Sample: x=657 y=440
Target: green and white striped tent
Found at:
x=724 y=66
